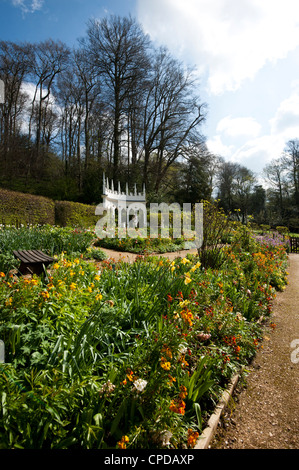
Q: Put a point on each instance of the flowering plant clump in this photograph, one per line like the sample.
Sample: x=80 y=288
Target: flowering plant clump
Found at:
x=109 y=354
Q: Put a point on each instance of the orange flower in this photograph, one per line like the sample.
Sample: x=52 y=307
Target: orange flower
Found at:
x=187 y=316
x=178 y=406
x=166 y=350
x=171 y=380
x=122 y=444
x=192 y=438
x=130 y=376
x=183 y=392
x=183 y=362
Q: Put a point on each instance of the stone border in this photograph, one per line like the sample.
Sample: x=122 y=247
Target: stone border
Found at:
x=209 y=432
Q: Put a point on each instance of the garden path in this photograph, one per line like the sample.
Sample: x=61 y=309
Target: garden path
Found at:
x=264 y=414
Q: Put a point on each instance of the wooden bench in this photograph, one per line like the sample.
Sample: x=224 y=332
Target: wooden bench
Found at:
x=32 y=261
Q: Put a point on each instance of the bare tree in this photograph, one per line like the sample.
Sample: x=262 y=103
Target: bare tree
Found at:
x=50 y=59
x=290 y=161
x=117 y=48
x=14 y=65
x=275 y=176
x=172 y=115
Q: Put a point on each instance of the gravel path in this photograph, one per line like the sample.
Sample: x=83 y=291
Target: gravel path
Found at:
x=264 y=412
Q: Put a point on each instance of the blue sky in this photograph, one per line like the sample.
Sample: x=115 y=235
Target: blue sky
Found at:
x=245 y=52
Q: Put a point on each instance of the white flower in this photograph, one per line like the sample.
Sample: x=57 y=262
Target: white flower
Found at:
x=162 y=438
x=107 y=388
x=140 y=384
x=182 y=349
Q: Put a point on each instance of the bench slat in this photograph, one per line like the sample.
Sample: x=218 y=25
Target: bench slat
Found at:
x=32 y=256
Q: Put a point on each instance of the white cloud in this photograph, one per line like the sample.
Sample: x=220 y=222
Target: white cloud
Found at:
x=242 y=126
x=258 y=150
x=256 y=153
x=28 y=6
x=217 y=147
x=286 y=119
x=228 y=39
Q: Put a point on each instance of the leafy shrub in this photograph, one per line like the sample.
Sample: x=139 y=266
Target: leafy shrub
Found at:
x=217 y=228
x=19 y=208
x=281 y=229
x=74 y=214
x=96 y=254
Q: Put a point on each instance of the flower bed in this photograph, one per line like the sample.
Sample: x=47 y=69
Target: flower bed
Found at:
x=50 y=239
x=131 y=355
x=143 y=245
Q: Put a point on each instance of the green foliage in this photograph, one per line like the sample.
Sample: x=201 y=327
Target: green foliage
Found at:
x=137 y=350
x=51 y=240
x=74 y=214
x=19 y=208
x=281 y=229
x=96 y=254
x=143 y=245
x=217 y=229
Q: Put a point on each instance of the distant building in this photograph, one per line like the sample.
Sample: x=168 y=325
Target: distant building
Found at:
x=131 y=206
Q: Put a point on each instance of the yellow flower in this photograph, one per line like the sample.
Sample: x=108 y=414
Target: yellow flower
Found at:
x=165 y=364
x=8 y=302
x=76 y=261
x=2 y=274
x=185 y=261
x=99 y=297
x=89 y=289
x=187 y=278
x=122 y=444
x=196 y=266
x=56 y=266
x=73 y=286
x=97 y=278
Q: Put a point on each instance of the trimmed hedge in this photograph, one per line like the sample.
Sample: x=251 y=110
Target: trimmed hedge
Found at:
x=74 y=214
x=18 y=208
x=22 y=209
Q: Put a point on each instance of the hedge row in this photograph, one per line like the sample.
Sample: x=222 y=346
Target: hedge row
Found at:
x=22 y=209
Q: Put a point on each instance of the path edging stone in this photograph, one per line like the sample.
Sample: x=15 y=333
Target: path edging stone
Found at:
x=209 y=432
